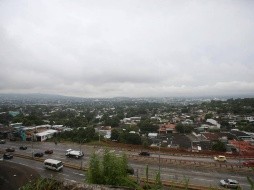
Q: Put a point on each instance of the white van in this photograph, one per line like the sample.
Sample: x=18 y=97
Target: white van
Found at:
x=53 y=164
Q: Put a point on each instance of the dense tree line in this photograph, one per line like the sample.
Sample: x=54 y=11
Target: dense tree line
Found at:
x=184 y=128
x=80 y=135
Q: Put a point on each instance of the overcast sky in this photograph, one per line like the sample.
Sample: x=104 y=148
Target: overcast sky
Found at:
x=134 y=48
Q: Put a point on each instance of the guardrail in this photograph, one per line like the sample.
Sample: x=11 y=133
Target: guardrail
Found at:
x=174 y=152
x=167 y=161
x=176 y=184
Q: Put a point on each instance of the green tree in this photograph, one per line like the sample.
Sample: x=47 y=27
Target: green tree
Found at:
x=147 y=127
x=112 y=170
x=184 y=128
x=94 y=174
x=208 y=116
x=5 y=118
x=219 y=146
x=133 y=138
x=115 y=134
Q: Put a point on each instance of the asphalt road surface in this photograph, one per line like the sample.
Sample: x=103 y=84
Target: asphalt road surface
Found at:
x=206 y=177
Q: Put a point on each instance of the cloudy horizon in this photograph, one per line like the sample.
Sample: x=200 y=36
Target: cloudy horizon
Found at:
x=141 y=48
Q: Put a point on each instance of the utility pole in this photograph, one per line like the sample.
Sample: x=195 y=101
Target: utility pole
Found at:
x=81 y=159
x=239 y=150
x=160 y=157
x=159 y=152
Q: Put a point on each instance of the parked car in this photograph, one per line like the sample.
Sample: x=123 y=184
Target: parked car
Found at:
x=2 y=142
x=144 y=154
x=249 y=163
x=38 y=154
x=7 y=156
x=48 y=152
x=12 y=139
x=229 y=183
x=10 y=149
x=23 y=147
x=220 y=158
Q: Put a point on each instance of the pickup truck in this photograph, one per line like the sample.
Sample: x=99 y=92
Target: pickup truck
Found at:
x=74 y=153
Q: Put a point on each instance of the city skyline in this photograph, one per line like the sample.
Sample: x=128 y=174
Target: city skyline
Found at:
x=127 y=48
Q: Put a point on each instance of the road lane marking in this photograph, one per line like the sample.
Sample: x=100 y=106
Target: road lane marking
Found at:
x=64 y=174
x=170 y=175
x=198 y=172
x=70 y=180
x=237 y=177
x=79 y=174
x=27 y=165
x=202 y=179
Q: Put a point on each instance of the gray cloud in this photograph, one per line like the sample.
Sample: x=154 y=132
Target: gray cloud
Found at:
x=127 y=48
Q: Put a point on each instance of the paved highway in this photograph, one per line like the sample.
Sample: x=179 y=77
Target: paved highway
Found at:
x=66 y=174
x=207 y=177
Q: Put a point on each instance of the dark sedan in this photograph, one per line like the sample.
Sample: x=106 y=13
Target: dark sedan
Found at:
x=48 y=152
x=2 y=142
x=144 y=154
x=10 y=149
x=38 y=154
x=130 y=170
x=7 y=156
x=23 y=147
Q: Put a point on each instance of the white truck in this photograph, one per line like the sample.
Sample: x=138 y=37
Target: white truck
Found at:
x=74 y=153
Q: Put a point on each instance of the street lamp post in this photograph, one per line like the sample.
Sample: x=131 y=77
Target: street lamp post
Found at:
x=239 y=151
x=159 y=151
x=99 y=135
x=81 y=160
x=160 y=157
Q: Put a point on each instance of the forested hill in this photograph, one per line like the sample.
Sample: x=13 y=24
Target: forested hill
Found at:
x=237 y=106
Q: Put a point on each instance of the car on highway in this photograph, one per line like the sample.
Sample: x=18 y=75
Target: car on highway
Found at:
x=38 y=154
x=2 y=141
x=220 y=158
x=12 y=139
x=229 y=183
x=130 y=170
x=23 y=147
x=10 y=149
x=144 y=154
x=249 y=163
x=52 y=164
x=48 y=152
x=74 y=153
x=7 y=156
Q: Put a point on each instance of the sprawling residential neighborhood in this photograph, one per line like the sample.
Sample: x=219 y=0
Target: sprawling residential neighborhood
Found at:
x=194 y=125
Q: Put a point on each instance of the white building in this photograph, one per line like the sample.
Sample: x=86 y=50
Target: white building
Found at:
x=45 y=135
x=214 y=123
x=152 y=135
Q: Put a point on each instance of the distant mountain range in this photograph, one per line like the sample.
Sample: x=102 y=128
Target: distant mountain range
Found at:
x=39 y=98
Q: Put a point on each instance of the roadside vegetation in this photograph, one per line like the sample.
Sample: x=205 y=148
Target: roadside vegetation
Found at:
x=111 y=172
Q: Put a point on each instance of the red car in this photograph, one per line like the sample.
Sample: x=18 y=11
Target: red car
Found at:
x=48 y=152
x=249 y=163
